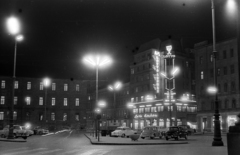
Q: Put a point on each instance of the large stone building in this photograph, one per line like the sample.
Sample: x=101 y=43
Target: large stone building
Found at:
x=151 y=102
x=227 y=72
x=63 y=102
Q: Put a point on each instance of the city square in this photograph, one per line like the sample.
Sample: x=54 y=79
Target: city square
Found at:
x=120 y=77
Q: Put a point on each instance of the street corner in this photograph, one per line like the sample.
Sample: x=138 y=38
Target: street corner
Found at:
x=12 y=140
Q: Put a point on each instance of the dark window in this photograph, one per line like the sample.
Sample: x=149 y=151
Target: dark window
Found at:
x=211 y=72
x=217 y=55
x=226 y=103
x=218 y=72
x=232 y=69
x=225 y=70
x=212 y=105
x=231 y=52
x=233 y=103
x=200 y=59
x=219 y=104
x=233 y=88
x=224 y=54
x=225 y=87
x=219 y=88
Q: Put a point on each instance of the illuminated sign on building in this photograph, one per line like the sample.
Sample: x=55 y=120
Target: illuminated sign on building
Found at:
x=157 y=69
x=169 y=52
x=146 y=115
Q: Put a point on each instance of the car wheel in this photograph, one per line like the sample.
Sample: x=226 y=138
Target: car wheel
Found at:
x=25 y=137
x=143 y=137
x=15 y=136
x=123 y=135
x=160 y=137
x=2 y=136
x=186 y=137
x=176 y=138
x=166 y=137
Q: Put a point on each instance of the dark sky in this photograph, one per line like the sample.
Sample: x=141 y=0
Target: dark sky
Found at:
x=58 y=33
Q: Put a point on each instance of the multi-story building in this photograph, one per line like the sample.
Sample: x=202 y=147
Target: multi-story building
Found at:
x=227 y=73
x=148 y=87
x=63 y=103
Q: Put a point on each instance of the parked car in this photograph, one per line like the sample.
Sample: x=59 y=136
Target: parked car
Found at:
x=123 y=132
x=188 y=129
x=152 y=132
x=40 y=130
x=176 y=132
x=18 y=131
x=29 y=131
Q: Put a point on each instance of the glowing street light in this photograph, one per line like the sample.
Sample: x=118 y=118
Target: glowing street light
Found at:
x=97 y=61
x=102 y=104
x=114 y=88
x=13 y=27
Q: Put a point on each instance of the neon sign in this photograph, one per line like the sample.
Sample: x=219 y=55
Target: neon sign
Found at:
x=169 y=52
x=157 y=69
x=151 y=115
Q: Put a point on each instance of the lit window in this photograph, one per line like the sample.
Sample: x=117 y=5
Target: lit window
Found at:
x=77 y=87
x=41 y=85
x=141 y=110
x=89 y=97
x=201 y=60
x=142 y=98
x=132 y=71
x=64 y=116
x=53 y=86
x=77 y=102
x=160 y=108
x=16 y=85
x=15 y=100
x=65 y=102
x=28 y=100
x=14 y=115
x=2 y=99
x=202 y=75
x=153 y=109
x=169 y=108
x=28 y=85
x=161 y=122
x=53 y=101
x=147 y=109
x=179 y=108
x=40 y=100
x=65 y=87
x=136 y=99
x=40 y=117
x=1 y=115
x=136 y=89
x=77 y=117
x=53 y=116
x=3 y=84
x=132 y=99
x=211 y=58
x=127 y=92
x=135 y=111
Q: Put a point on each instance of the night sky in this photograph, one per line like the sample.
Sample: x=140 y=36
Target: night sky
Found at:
x=58 y=33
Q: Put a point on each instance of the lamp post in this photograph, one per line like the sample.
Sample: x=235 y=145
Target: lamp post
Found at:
x=97 y=61
x=217 y=140
x=13 y=27
x=101 y=104
x=114 y=88
x=46 y=83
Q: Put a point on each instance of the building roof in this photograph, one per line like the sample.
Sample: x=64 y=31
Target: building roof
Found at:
x=153 y=44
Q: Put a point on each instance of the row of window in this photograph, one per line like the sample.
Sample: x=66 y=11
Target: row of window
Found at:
x=161 y=108
x=221 y=105
x=219 y=72
x=29 y=100
x=224 y=54
x=41 y=86
x=141 y=78
x=142 y=67
x=40 y=117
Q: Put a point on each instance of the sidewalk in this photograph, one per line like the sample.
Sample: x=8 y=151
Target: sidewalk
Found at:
x=13 y=140
x=127 y=141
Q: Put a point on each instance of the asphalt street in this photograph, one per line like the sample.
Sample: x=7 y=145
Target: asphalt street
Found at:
x=75 y=143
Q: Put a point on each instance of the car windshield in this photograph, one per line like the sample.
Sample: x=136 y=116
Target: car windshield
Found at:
x=119 y=129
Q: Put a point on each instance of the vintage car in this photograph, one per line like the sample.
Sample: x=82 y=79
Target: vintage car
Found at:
x=123 y=132
x=18 y=131
x=40 y=130
x=29 y=131
x=188 y=129
x=176 y=132
x=152 y=132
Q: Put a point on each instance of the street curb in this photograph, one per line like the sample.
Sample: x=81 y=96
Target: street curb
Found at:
x=96 y=143
x=12 y=140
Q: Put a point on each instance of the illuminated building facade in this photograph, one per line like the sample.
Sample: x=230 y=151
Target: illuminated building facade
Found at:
x=148 y=88
x=227 y=64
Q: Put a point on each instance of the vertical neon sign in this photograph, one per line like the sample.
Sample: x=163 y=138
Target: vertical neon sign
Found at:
x=157 y=69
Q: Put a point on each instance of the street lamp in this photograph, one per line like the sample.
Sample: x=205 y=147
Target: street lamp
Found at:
x=97 y=61
x=46 y=83
x=114 y=88
x=13 y=27
x=217 y=140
